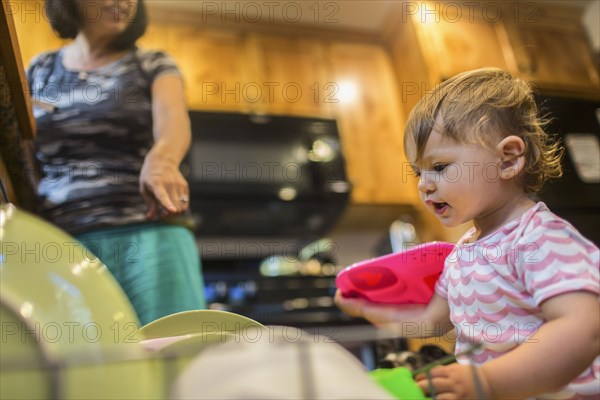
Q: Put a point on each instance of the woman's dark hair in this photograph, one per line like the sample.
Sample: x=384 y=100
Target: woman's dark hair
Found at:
x=66 y=20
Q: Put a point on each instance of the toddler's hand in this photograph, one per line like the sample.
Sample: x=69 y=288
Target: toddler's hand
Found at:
x=351 y=307
x=454 y=381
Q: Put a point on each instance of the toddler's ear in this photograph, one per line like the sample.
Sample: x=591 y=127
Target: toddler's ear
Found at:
x=511 y=150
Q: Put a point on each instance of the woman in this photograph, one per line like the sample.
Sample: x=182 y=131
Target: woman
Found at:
x=110 y=140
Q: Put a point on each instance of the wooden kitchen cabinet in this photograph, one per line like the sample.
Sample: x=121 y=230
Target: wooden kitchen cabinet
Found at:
x=214 y=66
x=291 y=73
x=428 y=48
x=370 y=119
x=542 y=43
x=33 y=29
x=553 y=52
x=156 y=37
x=456 y=41
x=431 y=42
x=228 y=70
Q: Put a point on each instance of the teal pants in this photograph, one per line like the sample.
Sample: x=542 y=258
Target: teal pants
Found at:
x=157 y=265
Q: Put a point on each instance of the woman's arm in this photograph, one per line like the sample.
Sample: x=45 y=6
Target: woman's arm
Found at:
x=161 y=182
x=561 y=350
x=410 y=320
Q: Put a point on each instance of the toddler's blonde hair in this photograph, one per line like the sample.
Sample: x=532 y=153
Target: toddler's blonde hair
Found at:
x=484 y=106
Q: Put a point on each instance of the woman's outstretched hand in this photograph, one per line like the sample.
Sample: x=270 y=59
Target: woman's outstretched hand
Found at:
x=163 y=187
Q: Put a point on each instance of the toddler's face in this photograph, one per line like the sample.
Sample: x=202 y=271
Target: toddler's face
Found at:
x=458 y=182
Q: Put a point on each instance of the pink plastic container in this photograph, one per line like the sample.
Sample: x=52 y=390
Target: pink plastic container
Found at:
x=407 y=277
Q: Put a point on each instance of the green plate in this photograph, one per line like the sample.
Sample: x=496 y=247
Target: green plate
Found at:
x=200 y=322
x=179 y=338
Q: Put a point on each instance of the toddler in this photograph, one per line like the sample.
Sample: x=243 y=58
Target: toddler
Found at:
x=522 y=283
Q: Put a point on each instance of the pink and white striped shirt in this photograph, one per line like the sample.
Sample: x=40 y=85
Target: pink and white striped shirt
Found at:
x=495 y=285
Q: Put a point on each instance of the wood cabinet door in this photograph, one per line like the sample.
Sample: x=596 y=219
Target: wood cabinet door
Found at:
x=453 y=45
x=370 y=120
x=290 y=75
x=156 y=38
x=557 y=58
x=214 y=67
x=33 y=29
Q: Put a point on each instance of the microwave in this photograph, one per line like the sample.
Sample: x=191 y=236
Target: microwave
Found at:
x=265 y=175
